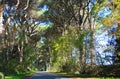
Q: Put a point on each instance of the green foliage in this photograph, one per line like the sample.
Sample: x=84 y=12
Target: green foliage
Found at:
x=19 y=76
x=70 y=66
x=14 y=77
x=98 y=5
x=113 y=19
x=62 y=49
x=1 y=75
x=78 y=39
x=18 y=50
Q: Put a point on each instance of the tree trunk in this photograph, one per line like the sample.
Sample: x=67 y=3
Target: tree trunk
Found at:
x=1 y=21
x=92 y=28
x=92 y=48
x=20 y=49
x=82 y=60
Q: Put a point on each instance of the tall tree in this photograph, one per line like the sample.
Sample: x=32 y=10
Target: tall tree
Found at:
x=1 y=20
x=21 y=34
x=77 y=14
x=20 y=24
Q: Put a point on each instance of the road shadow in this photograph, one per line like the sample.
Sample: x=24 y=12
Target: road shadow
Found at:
x=47 y=76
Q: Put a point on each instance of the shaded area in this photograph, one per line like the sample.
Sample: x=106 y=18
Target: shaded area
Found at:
x=46 y=75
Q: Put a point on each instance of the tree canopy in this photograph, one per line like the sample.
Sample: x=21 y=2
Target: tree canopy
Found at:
x=60 y=35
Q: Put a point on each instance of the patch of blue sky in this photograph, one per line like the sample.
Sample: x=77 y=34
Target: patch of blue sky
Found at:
x=104 y=13
x=106 y=56
x=41 y=41
x=5 y=14
x=44 y=7
x=102 y=37
x=11 y=21
x=91 y=4
x=8 y=11
x=45 y=24
x=6 y=7
x=103 y=40
x=102 y=43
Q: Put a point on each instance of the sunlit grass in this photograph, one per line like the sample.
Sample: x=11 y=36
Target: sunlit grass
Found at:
x=19 y=76
x=8 y=77
x=14 y=77
x=84 y=76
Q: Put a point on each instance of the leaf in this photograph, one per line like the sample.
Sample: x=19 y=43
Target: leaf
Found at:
x=107 y=21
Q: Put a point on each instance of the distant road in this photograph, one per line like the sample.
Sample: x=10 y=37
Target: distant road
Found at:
x=46 y=75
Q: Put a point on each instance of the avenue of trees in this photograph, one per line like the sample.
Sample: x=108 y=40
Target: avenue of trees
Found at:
x=58 y=35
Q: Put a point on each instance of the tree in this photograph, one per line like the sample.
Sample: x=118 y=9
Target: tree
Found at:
x=77 y=15
x=1 y=20
x=21 y=34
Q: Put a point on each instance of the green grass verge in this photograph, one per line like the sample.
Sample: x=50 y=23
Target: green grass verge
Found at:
x=84 y=75
x=19 y=76
x=73 y=74
x=14 y=77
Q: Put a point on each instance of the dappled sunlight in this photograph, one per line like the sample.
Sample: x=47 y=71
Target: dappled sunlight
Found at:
x=8 y=77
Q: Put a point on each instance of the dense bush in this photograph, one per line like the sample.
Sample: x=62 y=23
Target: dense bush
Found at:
x=70 y=66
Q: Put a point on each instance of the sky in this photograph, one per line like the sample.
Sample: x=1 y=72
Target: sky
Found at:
x=103 y=41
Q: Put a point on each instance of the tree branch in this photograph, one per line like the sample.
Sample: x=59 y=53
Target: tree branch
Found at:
x=18 y=2
x=27 y=4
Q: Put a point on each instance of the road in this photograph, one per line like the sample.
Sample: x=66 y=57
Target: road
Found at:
x=46 y=75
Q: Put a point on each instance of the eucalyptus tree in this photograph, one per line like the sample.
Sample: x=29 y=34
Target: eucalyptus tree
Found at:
x=21 y=19
x=17 y=25
x=78 y=15
x=1 y=20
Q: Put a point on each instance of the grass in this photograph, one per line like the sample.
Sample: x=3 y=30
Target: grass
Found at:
x=14 y=77
x=19 y=76
x=84 y=76
x=73 y=74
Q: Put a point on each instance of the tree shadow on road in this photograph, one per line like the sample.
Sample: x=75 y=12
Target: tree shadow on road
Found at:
x=47 y=76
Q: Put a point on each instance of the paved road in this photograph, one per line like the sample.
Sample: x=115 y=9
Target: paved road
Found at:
x=46 y=75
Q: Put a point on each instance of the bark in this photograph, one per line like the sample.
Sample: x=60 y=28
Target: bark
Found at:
x=20 y=49
x=92 y=49
x=92 y=28
x=1 y=21
x=82 y=60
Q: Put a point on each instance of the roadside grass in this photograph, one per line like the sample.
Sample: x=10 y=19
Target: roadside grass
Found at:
x=14 y=77
x=83 y=76
x=72 y=74
x=19 y=76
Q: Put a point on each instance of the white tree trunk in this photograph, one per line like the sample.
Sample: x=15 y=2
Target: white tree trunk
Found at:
x=1 y=22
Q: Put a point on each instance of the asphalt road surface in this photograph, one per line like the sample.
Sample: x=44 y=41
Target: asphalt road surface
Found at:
x=46 y=75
